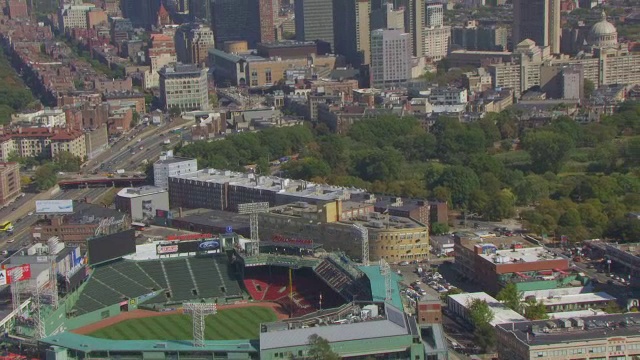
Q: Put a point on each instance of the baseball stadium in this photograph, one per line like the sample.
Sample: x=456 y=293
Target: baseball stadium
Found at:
x=222 y=297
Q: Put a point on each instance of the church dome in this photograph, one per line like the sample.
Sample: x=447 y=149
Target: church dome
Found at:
x=603 y=33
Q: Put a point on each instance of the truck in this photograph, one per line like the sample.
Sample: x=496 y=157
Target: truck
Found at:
x=120 y=171
x=167 y=141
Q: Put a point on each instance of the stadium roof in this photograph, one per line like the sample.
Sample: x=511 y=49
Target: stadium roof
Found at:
x=378 y=287
x=395 y=324
x=88 y=344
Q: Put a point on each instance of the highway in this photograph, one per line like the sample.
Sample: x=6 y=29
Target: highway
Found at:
x=123 y=152
x=21 y=227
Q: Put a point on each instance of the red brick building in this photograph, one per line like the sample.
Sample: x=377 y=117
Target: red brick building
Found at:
x=494 y=262
x=267 y=30
x=18 y=9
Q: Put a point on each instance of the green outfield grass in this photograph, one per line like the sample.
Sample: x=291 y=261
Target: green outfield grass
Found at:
x=229 y=324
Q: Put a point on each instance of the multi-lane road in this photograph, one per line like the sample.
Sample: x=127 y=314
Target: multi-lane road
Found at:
x=22 y=227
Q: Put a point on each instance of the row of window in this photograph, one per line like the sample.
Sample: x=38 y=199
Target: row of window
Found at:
x=590 y=350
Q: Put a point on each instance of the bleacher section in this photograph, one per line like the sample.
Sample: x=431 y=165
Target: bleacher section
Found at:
x=344 y=278
x=122 y=280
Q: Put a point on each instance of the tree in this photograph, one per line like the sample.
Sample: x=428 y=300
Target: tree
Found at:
x=612 y=308
x=135 y=119
x=511 y=297
x=535 y=310
x=548 y=150
x=438 y=228
x=500 y=206
x=175 y=111
x=213 y=100
x=531 y=189
x=461 y=181
x=307 y=168
x=484 y=336
x=66 y=161
x=588 y=87
x=45 y=177
x=480 y=312
x=319 y=349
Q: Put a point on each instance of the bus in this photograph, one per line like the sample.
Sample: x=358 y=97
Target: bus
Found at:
x=6 y=226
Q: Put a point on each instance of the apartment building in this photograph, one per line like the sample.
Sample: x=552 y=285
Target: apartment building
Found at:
x=73 y=15
x=184 y=86
x=436 y=35
x=613 y=337
x=45 y=142
x=9 y=182
x=390 y=58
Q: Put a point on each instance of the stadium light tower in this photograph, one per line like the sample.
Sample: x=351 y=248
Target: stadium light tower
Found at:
x=364 y=239
x=199 y=311
x=253 y=209
x=385 y=270
x=16 y=273
x=52 y=243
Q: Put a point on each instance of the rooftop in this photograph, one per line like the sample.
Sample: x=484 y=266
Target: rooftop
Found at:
x=577 y=299
x=215 y=218
x=502 y=314
x=87 y=344
x=166 y=160
x=140 y=191
x=392 y=323
x=547 y=332
x=522 y=255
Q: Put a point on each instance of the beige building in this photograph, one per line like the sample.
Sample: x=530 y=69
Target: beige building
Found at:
x=9 y=182
x=436 y=42
x=257 y=71
x=45 y=142
x=184 y=86
x=74 y=15
x=332 y=224
x=603 y=337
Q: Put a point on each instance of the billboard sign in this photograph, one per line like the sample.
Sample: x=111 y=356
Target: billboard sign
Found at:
x=54 y=206
x=111 y=247
x=6 y=274
x=292 y=241
x=209 y=245
x=188 y=237
x=166 y=249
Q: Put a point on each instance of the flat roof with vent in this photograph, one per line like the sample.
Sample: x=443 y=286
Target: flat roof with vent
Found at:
x=578 y=329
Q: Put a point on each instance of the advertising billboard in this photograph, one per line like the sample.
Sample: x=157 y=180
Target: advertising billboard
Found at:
x=54 y=206
x=6 y=275
x=188 y=247
x=188 y=237
x=110 y=247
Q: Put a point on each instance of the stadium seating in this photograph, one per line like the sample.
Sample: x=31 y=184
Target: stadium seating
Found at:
x=180 y=282
x=153 y=269
x=179 y=277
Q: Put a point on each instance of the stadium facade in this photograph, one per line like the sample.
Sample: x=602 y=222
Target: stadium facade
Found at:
x=325 y=294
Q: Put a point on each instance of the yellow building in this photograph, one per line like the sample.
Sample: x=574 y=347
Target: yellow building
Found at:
x=334 y=226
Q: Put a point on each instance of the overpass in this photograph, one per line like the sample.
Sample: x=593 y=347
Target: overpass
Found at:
x=102 y=182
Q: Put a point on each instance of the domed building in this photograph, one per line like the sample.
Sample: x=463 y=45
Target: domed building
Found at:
x=603 y=34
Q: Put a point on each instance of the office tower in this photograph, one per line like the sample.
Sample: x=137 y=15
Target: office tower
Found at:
x=237 y=20
x=387 y=17
x=182 y=6
x=352 y=23
x=314 y=21
x=264 y=18
x=193 y=42
x=390 y=58
x=184 y=86
x=143 y=13
x=435 y=15
x=414 y=22
x=200 y=10
x=538 y=20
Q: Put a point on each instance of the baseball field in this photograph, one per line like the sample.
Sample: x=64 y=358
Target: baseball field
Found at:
x=227 y=324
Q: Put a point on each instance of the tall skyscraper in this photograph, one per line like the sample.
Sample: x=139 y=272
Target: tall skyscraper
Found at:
x=390 y=58
x=200 y=10
x=436 y=35
x=314 y=21
x=193 y=42
x=143 y=13
x=249 y=20
x=352 y=23
x=538 y=20
x=414 y=23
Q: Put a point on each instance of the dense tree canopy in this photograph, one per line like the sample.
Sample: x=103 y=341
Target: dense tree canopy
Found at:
x=561 y=179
